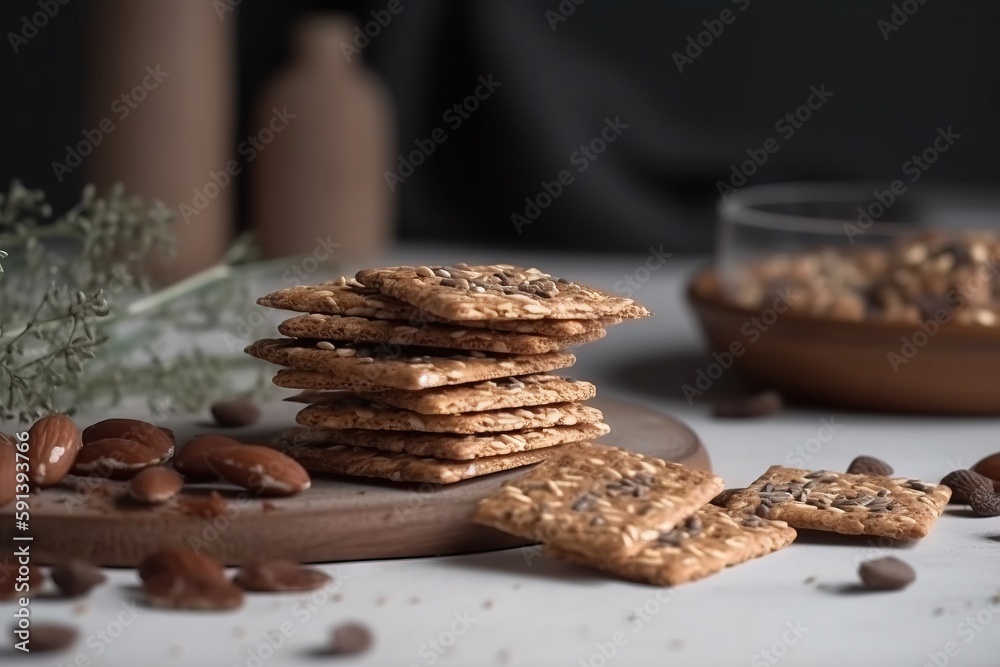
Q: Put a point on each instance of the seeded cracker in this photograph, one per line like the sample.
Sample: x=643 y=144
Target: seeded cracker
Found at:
x=346 y=411
x=512 y=392
x=446 y=445
x=704 y=544
x=360 y=330
x=349 y=298
x=496 y=292
x=850 y=504
x=598 y=501
x=402 y=467
x=367 y=368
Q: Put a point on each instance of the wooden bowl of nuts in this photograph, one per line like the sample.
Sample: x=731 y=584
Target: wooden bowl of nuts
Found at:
x=909 y=322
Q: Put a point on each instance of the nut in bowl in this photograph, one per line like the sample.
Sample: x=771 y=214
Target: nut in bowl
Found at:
x=827 y=294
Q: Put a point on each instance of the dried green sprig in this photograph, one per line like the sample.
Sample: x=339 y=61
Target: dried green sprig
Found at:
x=76 y=298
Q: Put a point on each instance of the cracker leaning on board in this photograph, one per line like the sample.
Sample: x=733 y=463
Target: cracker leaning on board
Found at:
x=439 y=374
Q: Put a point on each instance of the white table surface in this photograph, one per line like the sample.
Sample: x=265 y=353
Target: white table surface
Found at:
x=797 y=607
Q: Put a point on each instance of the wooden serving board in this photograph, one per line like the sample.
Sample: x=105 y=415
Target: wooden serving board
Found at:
x=338 y=519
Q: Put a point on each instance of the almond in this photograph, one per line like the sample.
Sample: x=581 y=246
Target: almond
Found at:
x=984 y=502
x=181 y=561
x=114 y=458
x=261 y=469
x=8 y=472
x=278 y=575
x=191 y=459
x=52 y=637
x=6 y=439
x=76 y=578
x=963 y=482
x=350 y=639
x=53 y=443
x=235 y=413
x=990 y=467
x=173 y=591
x=155 y=485
x=869 y=465
x=132 y=429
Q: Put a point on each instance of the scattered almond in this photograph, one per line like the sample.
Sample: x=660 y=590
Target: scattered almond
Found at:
x=53 y=443
x=155 y=485
x=76 y=578
x=8 y=472
x=132 y=429
x=990 y=467
x=114 y=458
x=278 y=575
x=51 y=637
x=869 y=465
x=350 y=639
x=261 y=469
x=886 y=574
x=234 y=414
x=984 y=502
x=182 y=561
x=963 y=482
x=175 y=591
x=191 y=460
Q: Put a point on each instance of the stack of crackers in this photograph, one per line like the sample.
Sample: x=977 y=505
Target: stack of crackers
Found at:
x=648 y=520
x=437 y=374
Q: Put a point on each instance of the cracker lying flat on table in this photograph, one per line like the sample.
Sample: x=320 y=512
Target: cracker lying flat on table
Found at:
x=510 y=392
x=400 y=367
x=350 y=298
x=598 y=501
x=363 y=330
x=341 y=460
x=445 y=445
x=348 y=411
x=706 y=543
x=850 y=504
x=496 y=292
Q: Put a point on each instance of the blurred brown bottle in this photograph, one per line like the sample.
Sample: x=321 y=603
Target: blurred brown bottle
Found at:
x=159 y=89
x=319 y=184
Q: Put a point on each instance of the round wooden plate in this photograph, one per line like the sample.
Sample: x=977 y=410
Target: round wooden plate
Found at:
x=338 y=519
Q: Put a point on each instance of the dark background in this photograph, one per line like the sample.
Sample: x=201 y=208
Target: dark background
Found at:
x=610 y=58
